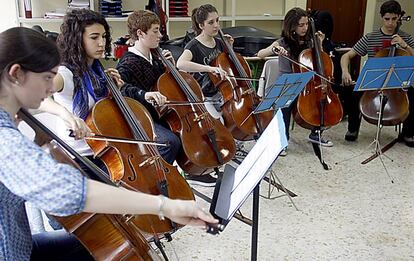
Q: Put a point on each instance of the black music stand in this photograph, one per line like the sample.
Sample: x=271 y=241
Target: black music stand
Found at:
x=238 y=183
x=381 y=74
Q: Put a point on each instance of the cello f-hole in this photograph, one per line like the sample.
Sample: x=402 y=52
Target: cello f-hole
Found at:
x=134 y=176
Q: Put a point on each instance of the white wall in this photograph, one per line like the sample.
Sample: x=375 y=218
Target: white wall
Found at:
x=7 y=14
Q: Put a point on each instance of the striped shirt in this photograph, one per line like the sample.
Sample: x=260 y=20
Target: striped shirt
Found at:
x=375 y=41
x=27 y=173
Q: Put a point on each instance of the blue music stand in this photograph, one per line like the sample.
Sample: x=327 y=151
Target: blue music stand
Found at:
x=386 y=73
x=379 y=74
x=284 y=91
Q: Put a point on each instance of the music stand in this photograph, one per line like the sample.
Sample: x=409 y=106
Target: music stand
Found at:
x=281 y=94
x=380 y=74
x=284 y=91
x=237 y=184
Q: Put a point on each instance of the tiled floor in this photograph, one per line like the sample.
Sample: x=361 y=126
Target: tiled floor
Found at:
x=351 y=212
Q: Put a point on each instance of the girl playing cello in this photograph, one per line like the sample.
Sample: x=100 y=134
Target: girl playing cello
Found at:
x=196 y=59
x=80 y=82
x=295 y=38
x=29 y=174
x=201 y=51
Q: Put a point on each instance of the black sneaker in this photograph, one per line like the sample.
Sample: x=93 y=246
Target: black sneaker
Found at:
x=409 y=141
x=314 y=138
x=351 y=136
x=201 y=180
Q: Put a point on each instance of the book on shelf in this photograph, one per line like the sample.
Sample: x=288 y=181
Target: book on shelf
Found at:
x=78 y=4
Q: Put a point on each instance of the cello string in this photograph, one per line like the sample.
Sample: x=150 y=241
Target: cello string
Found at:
x=137 y=130
x=136 y=127
x=234 y=59
x=184 y=87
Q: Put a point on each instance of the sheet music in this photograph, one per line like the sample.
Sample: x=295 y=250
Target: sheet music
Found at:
x=235 y=188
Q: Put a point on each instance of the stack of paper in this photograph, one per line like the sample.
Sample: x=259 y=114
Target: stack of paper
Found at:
x=78 y=4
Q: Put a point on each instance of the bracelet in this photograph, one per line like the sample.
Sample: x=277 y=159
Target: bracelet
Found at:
x=161 y=207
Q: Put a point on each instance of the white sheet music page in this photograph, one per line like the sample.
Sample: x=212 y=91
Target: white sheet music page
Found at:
x=252 y=169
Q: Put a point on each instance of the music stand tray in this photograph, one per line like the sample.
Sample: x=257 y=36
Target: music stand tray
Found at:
x=284 y=91
x=386 y=73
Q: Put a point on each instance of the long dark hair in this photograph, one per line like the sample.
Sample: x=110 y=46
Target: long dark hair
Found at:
x=199 y=15
x=290 y=24
x=70 y=38
x=28 y=48
x=70 y=43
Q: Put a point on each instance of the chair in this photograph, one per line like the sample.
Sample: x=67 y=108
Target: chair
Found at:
x=269 y=75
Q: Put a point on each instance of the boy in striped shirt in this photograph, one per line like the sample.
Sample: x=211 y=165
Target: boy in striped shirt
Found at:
x=369 y=45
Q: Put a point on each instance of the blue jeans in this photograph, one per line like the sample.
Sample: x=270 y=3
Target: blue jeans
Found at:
x=58 y=245
x=287 y=112
x=164 y=135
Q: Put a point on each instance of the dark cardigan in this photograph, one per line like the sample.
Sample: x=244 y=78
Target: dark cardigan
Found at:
x=139 y=77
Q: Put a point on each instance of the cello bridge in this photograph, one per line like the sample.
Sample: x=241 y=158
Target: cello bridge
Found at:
x=127 y=217
x=248 y=92
x=148 y=161
x=200 y=117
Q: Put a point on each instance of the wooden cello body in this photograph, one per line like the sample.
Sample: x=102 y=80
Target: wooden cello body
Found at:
x=106 y=237
x=240 y=98
x=135 y=166
x=317 y=105
x=205 y=140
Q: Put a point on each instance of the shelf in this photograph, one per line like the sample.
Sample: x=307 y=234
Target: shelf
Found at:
x=235 y=12
x=60 y=20
x=116 y=19
x=179 y=19
x=259 y=17
x=39 y=20
x=188 y=19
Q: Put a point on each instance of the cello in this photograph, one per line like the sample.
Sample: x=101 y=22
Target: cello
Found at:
x=106 y=237
x=240 y=98
x=317 y=106
x=393 y=103
x=135 y=166
x=206 y=142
